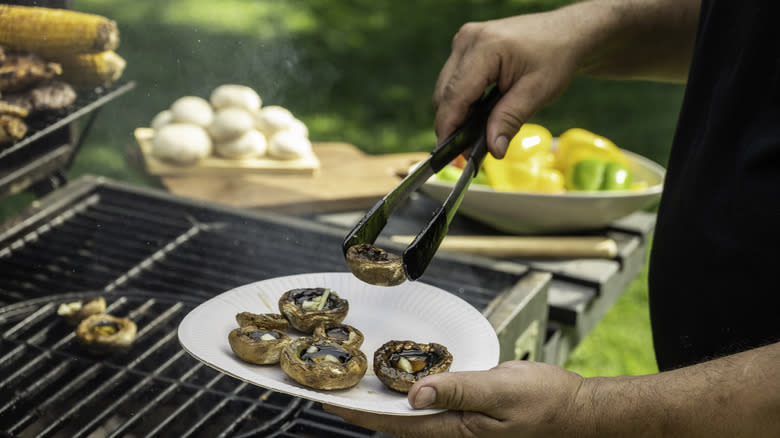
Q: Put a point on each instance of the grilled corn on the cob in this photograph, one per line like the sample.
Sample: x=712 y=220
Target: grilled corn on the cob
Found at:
x=55 y=32
x=91 y=69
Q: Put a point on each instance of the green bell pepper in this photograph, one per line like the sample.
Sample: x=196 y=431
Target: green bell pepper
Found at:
x=598 y=175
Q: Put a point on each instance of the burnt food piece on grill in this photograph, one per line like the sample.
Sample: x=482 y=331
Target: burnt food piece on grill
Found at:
x=76 y=311
x=104 y=333
x=12 y=128
x=11 y=109
x=20 y=71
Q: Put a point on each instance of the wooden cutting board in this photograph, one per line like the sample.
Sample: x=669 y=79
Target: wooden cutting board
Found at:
x=347 y=179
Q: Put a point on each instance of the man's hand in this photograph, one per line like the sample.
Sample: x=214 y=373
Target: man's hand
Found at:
x=530 y=63
x=532 y=58
x=517 y=398
x=737 y=395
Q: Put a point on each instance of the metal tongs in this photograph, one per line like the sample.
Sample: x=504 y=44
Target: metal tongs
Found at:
x=470 y=134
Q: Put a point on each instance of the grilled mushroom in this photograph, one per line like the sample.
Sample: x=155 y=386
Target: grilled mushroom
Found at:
x=104 y=333
x=258 y=345
x=375 y=265
x=76 y=311
x=342 y=333
x=323 y=364
x=272 y=321
x=307 y=308
x=398 y=364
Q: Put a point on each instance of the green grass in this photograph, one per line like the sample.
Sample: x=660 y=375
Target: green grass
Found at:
x=360 y=71
x=621 y=344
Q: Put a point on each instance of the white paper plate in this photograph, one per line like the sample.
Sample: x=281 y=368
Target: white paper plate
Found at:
x=411 y=311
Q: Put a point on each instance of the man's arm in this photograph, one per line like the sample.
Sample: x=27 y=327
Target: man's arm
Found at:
x=639 y=39
x=738 y=395
x=534 y=57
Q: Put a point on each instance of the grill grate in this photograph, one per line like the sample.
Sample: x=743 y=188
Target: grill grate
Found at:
x=49 y=145
x=155 y=257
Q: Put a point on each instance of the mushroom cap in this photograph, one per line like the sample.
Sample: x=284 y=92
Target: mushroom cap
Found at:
x=375 y=266
x=75 y=312
x=297 y=126
x=192 y=109
x=263 y=320
x=350 y=365
x=291 y=307
x=438 y=361
x=162 y=118
x=181 y=143
x=249 y=144
x=230 y=123
x=248 y=344
x=272 y=119
x=342 y=333
x=97 y=342
x=289 y=145
x=235 y=96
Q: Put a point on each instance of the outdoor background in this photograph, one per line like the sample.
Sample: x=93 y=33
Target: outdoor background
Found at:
x=359 y=71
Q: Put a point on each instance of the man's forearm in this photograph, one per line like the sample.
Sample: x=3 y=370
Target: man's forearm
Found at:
x=738 y=395
x=635 y=39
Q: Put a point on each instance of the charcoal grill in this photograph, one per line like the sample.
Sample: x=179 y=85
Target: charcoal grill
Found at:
x=155 y=256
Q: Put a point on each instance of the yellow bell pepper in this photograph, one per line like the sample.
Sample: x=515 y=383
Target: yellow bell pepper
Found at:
x=577 y=144
x=530 y=141
x=509 y=176
x=527 y=165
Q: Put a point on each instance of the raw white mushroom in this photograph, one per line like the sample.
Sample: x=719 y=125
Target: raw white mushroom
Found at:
x=272 y=119
x=299 y=128
x=162 y=118
x=181 y=143
x=235 y=96
x=251 y=144
x=230 y=123
x=192 y=109
x=288 y=145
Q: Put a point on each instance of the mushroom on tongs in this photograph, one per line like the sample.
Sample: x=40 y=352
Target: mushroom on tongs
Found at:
x=377 y=266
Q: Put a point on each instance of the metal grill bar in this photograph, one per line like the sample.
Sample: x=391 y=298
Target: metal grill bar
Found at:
x=158 y=255
x=69 y=388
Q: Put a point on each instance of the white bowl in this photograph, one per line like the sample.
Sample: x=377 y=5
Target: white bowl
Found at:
x=540 y=213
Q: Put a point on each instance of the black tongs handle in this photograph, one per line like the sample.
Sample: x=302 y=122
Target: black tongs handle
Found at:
x=471 y=134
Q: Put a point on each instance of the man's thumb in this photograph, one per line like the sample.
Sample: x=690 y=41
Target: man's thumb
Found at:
x=462 y=391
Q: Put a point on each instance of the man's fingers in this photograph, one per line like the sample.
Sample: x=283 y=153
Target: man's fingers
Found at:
x=462 y=80
x=517 y=106
x=463 y=391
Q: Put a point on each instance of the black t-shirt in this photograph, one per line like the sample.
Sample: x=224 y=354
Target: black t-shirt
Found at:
x=715 y=265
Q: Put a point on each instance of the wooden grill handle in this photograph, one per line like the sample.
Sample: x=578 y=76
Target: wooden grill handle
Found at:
x=522 y=246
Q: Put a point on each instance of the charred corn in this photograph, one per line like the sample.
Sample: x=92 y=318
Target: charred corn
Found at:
x=91 y=69
x=55 y=32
